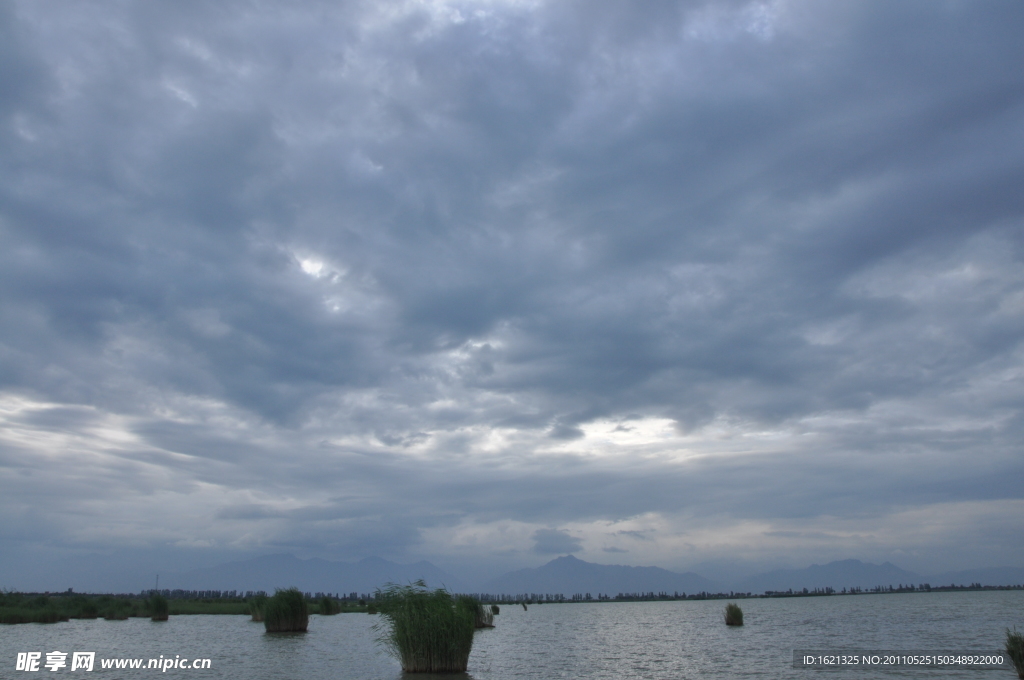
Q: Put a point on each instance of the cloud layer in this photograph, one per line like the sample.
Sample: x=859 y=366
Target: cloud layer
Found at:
x=488 y=280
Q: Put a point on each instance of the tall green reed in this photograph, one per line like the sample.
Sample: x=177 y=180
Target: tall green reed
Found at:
x=328 y=606
x=1015 y=650
x=484 y=617
x=117 y=609
x=428 y=631
x=733 y=615
x=158 y=607
x=256 y=606
x=286 y=612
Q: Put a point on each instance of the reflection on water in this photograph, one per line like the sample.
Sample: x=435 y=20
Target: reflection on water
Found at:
x=599 y=640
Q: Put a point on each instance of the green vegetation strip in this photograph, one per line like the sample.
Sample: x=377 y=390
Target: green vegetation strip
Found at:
x=56 y=607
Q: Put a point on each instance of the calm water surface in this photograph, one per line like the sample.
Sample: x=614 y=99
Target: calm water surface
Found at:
x=658 y=640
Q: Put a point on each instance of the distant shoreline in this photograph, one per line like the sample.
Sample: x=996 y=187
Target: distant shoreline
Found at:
x=50 y=607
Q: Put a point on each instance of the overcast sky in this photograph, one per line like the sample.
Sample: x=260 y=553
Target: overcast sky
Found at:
x=489 y=281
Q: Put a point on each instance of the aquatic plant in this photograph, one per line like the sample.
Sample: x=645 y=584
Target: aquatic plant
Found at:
x=80 y=607
x=495 y=609
x=484 y=616
x=733 y=615
x=15 y=608
x=21 y=608
x=428 y=631
x=1015 y=650
x=50 y=615
x=286 y=612
x=117 y=609
x=157 y=606
x=256 y=607
x=328 y=606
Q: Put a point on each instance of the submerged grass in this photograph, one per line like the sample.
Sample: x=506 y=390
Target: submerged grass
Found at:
x=733 y=615
x=428 y=631
x=1015 y=650
x=286 y=612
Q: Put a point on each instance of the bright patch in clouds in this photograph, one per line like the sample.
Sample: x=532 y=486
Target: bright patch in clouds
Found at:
x=314 y=268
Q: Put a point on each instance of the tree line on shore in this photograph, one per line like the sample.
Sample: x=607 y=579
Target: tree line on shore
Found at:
x=50 y=607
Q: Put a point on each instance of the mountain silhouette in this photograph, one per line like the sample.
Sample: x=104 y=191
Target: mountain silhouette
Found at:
x=839 y=574
x=569 y=575
x=313 y=575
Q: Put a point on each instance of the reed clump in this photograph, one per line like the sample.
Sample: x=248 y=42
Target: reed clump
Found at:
x=256 y=606
x=84 y=608
x=733 y=615
x=495 y=609
x=328 y=606
x=286 y=612
x=1015 y=650
x=20 y=608
x=484 y=617
x=116 y=609
x=158 y=607
x=428 y=631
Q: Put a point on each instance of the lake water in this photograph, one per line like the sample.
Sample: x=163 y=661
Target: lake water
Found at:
x=649 y=640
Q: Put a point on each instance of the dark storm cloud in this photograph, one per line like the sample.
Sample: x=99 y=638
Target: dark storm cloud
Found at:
x=356 y=277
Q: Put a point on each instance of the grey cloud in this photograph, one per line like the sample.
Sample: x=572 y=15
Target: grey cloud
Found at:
x=526 y=223
x=554 y=541
x=249 y=511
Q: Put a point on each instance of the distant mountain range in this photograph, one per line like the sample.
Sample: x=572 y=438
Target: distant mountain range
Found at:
x=854 y=573
x=838 y=575
x=564 y=575
x=569 y=575
x=314 y=575
x=999 y=576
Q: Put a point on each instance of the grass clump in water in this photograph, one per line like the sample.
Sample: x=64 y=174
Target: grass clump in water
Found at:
x=495 y=609
x=21 y=608
x=157 y=606
x=328 y=606
x=733 y=615
x=81 y=607
x=256 y=607
x=1015 y=650
x=116 y=608
x=286 y=612
x=428 y=631
x=484 y=616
